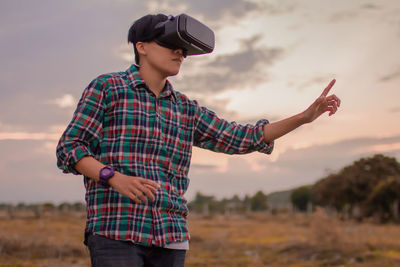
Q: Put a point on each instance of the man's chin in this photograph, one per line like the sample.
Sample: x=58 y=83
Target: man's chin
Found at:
x=174 y=73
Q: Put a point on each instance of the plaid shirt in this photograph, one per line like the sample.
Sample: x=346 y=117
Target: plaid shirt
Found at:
x=121 y=123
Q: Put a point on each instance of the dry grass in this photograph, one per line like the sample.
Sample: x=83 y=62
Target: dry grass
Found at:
x=292 y=240
x=255 y=240
x=50 y=241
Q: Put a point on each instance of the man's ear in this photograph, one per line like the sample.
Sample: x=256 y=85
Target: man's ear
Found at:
x=140 y=47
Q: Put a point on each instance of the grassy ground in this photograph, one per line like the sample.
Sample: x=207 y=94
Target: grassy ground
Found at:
x=253 y=240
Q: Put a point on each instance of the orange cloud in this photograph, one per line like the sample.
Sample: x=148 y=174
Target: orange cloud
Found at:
x=385 y=147
x=28 y=136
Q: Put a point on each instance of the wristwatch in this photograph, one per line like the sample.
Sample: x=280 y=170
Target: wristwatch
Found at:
x=105 y=174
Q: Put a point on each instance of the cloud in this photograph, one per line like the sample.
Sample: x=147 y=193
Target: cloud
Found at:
x=309 y=83
x=336 y=155
x=391 y=76
x=244 y=68
x=385 y=148
x=32 y=112
x=370 y=6
x=204 y=166
x=125 y=52
x=344 y=11
x=218 y=106
x=25 y=132
x=343 y=15
x=394 y=110
x=28 y=136
x=65 y=101
x=212 y=9
x=232 y=8
x=55 y=49
x=247 y=58
x=30 y=175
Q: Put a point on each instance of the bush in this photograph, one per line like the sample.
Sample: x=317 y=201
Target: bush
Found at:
x=300 y=197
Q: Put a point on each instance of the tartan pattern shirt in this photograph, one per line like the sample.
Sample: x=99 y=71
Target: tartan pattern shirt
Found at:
x=121 y=123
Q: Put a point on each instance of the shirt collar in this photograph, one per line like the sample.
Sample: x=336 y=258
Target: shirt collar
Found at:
x=136 y=81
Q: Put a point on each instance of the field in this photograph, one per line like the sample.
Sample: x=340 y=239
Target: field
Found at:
x=251 y=240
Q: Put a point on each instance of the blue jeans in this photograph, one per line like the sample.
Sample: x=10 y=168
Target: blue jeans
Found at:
x=105 y=252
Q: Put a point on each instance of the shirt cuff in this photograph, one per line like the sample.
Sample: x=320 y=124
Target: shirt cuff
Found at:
x=76 y=155
x=260 y=145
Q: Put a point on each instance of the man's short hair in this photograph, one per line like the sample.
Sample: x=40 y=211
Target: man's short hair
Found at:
x=142 y=30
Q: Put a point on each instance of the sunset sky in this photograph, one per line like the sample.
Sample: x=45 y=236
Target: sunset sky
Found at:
x=272 y=60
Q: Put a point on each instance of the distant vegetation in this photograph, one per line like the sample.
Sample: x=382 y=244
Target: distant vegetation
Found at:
x=208 y=204
x=369 y=188
x=38 y=210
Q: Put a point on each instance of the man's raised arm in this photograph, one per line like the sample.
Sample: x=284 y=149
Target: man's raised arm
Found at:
x=322 y=104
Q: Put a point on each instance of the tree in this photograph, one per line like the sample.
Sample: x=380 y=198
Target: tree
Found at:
x=258 y=202
x=48 y=206
x=200 y=202
x=383 y=196
x=353 y=185
x=300 y=197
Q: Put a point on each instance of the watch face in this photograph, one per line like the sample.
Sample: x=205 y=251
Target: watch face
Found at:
x=107 y=172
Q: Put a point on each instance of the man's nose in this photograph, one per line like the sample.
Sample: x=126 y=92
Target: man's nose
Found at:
x=180 y=52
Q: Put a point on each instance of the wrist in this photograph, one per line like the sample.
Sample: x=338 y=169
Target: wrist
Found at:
x=302 y=118
x=114 y=179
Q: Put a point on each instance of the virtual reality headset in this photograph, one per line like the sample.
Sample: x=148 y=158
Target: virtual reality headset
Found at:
x=187 y=33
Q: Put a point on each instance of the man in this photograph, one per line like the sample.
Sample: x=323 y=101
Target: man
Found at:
x=131 y=137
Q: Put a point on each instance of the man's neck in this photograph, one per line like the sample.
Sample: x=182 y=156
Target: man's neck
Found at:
x=154 y=80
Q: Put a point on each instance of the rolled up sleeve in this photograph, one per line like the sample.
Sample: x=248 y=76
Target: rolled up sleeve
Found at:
x=81 y=137
x=219 y=135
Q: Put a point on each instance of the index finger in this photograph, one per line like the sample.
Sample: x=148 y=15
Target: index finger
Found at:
x=328 y=88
